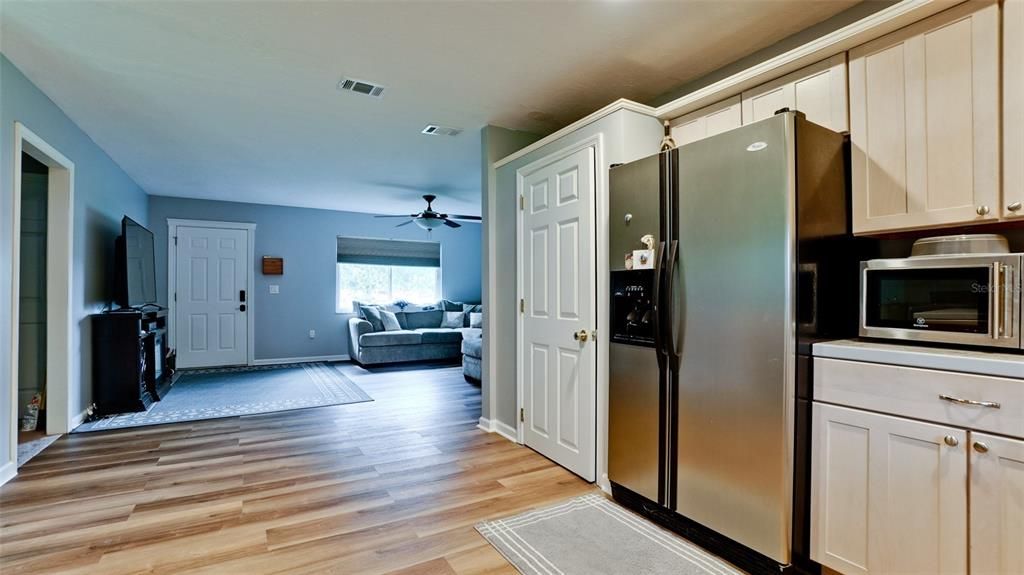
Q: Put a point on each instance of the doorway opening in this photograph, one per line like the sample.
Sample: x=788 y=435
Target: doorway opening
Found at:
x=41 y=262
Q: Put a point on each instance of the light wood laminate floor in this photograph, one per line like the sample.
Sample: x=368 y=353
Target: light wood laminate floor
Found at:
x=390 y=486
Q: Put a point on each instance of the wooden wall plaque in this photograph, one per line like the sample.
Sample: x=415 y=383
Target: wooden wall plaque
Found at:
x=273 y=266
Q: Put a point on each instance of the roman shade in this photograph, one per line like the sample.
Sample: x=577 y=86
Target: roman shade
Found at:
x=389 y=252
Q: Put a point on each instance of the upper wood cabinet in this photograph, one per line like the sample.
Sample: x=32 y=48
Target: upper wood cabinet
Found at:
x=924 y=123
x=819 y=91
x=706 y=122
x=1013 y=110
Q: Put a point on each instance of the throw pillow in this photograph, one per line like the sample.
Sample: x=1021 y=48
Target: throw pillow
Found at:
x=468 y=308
x=447 y=305
x=476 y=319
x=390 y=321
x=452 y=319
x=372 y=315
x=423 y=319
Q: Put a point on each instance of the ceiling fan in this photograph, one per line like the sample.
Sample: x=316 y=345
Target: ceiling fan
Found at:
x=428 y=219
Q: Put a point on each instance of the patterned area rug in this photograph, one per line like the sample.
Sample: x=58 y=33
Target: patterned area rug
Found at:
x=226 y=392
x=33 y=448
x=591 y=535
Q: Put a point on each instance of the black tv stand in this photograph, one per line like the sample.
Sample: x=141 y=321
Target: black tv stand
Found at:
x=132 y=366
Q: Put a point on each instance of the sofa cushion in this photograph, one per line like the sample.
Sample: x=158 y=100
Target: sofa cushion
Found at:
x=390 y=321
x=448 y=305
x=440 y=335
x=386 y=338
x=372 y=315
x=421 y=319
x=471 y=332
x=452 y=319
x=472 y=347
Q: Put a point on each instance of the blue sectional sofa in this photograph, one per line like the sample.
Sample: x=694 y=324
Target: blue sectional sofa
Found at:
x=420 y=338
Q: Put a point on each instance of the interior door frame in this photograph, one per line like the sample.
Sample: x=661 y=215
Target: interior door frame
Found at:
x=250 y=277
x=59 y=274
x=600 y=267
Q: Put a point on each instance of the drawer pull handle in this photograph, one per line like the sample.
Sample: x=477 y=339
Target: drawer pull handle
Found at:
x=961 y=401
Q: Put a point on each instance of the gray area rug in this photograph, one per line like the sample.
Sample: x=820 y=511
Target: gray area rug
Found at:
x=30 y=449
x=592 y=535
x=225 y=392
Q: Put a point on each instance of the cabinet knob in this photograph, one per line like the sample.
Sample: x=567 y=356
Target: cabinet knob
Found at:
x=982 y=210
x=980 y=447
x=1014 y=207
x=951 y=441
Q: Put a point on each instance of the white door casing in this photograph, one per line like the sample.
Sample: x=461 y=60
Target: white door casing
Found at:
x=212 y=265
x=557 y=352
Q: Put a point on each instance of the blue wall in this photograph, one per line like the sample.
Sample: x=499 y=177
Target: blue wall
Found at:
x=103 y=193
x=306 y=239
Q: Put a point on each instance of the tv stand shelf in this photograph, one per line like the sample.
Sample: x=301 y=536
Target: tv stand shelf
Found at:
x=132 y=367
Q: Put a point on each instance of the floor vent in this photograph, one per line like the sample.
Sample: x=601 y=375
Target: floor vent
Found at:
x=361 y=87
x=433 y=130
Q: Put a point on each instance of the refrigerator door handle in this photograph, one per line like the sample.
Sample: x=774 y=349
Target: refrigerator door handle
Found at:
x=671 y=345
x=659 y=344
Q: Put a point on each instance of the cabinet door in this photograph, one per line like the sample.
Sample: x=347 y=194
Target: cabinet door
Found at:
x=707 y=122
x=888 y=495
x=819 y=91
x=924 y=123
x=1013 y=110
x=997 y=505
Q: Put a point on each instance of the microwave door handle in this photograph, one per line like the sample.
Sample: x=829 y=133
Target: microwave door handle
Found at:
x=995 y=297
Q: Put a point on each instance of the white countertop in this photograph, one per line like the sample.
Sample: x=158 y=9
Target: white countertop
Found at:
x=995 y=363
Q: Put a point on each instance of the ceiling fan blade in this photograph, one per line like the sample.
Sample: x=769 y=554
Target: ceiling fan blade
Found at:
x=395 y=216
x=452 y=224
x=465 y=218
x=405 y=223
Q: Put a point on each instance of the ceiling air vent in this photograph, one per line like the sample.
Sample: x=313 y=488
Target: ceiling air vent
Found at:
x=361 y=87
x=433 y=130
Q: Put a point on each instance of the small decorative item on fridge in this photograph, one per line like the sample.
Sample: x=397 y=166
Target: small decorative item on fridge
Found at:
x=644 y=259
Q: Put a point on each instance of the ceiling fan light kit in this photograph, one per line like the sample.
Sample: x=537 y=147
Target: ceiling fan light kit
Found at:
x=429 y=219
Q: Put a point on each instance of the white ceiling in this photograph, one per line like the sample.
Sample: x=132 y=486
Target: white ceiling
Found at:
x=237 y=100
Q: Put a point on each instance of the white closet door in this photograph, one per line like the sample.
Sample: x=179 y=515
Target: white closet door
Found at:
x=557 y=351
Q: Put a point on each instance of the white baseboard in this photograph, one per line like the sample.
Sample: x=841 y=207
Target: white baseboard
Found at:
x=307 y=359
x=605 y=484
x=78 y=419
x=8 y=471
x=495 y=426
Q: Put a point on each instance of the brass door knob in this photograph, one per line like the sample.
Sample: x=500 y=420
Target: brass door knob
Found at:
x=1014 y=207
x=951 y=441
x=982 y=210
x=980 y=447
x=580 y=335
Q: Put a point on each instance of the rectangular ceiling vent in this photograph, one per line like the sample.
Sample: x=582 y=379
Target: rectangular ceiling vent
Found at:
x=434 y=130
x=361 y=87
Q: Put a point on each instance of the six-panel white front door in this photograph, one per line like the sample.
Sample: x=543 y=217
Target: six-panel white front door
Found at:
x=211 y=270
x=557 y=350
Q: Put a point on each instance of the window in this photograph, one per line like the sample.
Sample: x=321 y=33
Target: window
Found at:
x=385 y=271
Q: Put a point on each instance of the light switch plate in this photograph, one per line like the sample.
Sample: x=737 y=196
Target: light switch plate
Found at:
x=274 y=288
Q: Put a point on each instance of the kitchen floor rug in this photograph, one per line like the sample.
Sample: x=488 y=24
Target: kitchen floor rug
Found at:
x=225 y=392
x=591 y=535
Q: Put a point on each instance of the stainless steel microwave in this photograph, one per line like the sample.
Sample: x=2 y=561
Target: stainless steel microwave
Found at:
x=955 y=299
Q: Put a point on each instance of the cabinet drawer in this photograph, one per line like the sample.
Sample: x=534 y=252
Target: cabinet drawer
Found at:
x=913 y=392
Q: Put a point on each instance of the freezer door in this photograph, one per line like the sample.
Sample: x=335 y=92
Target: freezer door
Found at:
x=734 y=451
x=635 y=382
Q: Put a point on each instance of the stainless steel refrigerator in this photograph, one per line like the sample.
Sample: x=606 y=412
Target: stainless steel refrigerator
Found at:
x=748 y=229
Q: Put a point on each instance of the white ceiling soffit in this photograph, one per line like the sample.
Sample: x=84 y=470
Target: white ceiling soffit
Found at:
x=240 y=101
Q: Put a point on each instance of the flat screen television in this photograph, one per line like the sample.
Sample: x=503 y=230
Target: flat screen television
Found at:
x=135 y=266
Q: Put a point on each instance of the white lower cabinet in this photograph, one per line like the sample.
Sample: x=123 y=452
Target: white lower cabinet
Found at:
x=997 y=505
x=889 y=495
